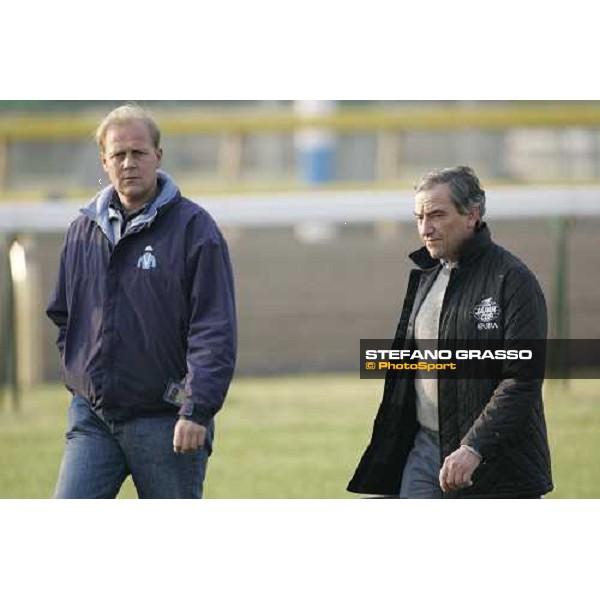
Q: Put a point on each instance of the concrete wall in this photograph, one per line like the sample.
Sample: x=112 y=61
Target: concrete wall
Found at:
x=305 y=306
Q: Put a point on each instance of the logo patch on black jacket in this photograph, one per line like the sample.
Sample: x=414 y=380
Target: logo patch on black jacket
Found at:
x=486 y=313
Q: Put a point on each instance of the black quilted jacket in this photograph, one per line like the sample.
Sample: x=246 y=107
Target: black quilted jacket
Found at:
x=501 y=416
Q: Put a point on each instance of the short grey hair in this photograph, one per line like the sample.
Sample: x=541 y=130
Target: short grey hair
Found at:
x=124 y=114
x=465 y=190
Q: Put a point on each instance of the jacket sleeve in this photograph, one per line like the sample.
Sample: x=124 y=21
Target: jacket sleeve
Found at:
x=57 y=308
x=211 y=338
x=519 y=389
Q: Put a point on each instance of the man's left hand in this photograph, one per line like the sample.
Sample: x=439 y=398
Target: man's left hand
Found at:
x=188 y=436
x=457 y=470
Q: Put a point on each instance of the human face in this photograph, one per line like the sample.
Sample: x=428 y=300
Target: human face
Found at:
x=130 y=160
x=441 y=227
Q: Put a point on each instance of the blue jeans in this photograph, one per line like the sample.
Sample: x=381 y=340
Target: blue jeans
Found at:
x=100 y=454
x=421 y=472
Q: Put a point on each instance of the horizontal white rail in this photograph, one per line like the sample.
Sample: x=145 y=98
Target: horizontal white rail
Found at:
x=272 y=210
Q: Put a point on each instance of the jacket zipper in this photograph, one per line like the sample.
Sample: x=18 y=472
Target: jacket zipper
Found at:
x=451 y=278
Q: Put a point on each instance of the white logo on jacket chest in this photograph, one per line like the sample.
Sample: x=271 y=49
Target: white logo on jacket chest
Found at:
x=147 y=260
x=487 y=313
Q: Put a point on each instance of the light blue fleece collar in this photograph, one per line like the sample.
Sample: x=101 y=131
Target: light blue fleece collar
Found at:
x=99 y=211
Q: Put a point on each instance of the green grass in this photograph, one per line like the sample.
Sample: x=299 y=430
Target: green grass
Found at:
x=289 y=437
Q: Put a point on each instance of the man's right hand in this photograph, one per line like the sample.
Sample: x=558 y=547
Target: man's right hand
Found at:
x=458 y=469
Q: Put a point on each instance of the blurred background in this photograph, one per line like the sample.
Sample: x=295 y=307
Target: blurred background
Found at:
x=315 y=200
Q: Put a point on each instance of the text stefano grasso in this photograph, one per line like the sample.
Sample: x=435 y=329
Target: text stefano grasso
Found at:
x=498 y=354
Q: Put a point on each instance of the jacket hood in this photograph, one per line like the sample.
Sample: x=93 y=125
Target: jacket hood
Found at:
x=98 y=210
x=480 y=240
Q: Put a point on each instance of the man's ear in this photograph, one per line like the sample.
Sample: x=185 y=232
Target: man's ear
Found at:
x=159 y=154
x=474 y=218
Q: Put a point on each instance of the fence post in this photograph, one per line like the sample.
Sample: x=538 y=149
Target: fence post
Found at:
x=388 y=155
x=230 y=157
x=316 y=146
x=4 y=320
x=4 y=166
x=8 y=375
x=560 y=314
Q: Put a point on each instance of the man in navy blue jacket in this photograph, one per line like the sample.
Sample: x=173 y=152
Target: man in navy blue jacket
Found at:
x=144 y=306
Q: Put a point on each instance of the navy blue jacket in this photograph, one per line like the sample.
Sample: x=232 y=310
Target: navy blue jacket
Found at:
x=147 y=309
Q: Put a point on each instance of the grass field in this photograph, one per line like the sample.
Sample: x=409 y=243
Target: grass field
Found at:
x=290 y=437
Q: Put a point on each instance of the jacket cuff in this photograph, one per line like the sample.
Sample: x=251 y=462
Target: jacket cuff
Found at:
x=472 y=451
x=193 y=412
x=471 y=444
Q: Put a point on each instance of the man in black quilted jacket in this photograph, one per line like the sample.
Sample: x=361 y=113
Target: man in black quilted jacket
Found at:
x=446 y=437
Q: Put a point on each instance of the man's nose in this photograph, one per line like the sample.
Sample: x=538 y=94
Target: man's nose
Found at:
x=128 y=161
x=426 y=227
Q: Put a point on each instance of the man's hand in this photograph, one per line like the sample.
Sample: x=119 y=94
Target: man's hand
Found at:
x=188 y=436
x=458 y=469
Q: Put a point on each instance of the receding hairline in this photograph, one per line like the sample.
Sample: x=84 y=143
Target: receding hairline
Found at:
x=123 y=115
x=463 y=183
x=430 y=186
